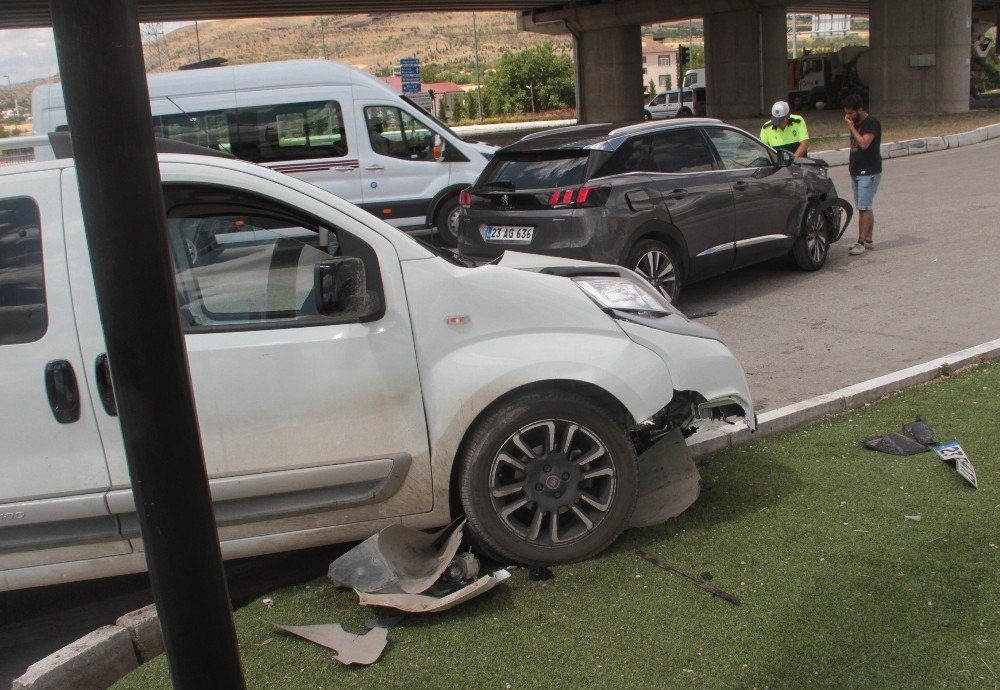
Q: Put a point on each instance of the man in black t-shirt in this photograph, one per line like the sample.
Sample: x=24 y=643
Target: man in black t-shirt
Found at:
x=865 y=167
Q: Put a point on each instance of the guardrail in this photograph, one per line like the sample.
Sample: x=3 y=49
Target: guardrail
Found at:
x=18 y=150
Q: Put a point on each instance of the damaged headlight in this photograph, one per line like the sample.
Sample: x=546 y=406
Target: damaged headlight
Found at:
x=623 y=294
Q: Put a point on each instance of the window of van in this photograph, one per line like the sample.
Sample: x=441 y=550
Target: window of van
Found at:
x=394 y=132
x=23 y=314
x=292 y=132
x=209 y=129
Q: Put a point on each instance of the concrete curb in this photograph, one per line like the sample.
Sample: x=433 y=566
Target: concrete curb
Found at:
x=852 y=397
x=109 y=653
x=913 y=147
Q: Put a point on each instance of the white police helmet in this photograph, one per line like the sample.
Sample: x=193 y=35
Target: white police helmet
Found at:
x=779 y=111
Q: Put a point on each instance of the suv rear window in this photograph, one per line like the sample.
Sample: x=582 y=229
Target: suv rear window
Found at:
x=536 y=170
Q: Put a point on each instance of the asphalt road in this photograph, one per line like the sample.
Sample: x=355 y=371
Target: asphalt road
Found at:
x=929 y=288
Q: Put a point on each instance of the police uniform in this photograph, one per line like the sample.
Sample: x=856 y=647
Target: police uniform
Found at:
x=789 y=138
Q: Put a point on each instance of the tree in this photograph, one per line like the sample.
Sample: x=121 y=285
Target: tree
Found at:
x=532 y=80
x=652 y=88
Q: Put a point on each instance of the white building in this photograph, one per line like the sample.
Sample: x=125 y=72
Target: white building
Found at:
x=659 y=64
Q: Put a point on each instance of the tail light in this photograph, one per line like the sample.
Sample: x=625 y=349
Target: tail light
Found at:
x=585 y=197
x=464 y=198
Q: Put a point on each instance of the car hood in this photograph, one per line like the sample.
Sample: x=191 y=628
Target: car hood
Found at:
x=539 y=263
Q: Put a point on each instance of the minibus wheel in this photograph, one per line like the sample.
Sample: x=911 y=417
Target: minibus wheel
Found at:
x=547 y=477
x=446 y=221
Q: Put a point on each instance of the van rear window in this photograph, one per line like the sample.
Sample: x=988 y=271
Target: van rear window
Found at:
x=537 y=170
x=23 y=313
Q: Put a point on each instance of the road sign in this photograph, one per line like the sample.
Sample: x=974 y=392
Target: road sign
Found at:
x=423 y=100
x=409 y=61
x=411 y=87
x=408 y=78
x=409 y=70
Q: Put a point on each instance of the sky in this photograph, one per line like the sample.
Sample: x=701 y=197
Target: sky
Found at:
x=27 y=54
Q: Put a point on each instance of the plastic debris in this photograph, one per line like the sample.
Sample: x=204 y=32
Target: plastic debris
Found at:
x=538 y=573
x=423 y=603
x=954 y=453
x=669 y=482
x=894 y=444
x=913 y=518
x=920 y=431
x=398 y=560
x=269 y=603
x=731 y=598
x=350 y=649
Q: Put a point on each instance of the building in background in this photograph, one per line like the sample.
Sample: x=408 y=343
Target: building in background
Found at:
x=831 y=25
x=659 y=64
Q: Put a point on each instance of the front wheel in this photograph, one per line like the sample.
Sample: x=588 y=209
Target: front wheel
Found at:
x=812 y=247
x=548 y=477
x=446 y=221
x=656 y=262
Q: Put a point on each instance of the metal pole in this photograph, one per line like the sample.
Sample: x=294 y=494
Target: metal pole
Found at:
x=475 y=43
x=13 y=96
x=322 y=29
x=795 y=35
x=197 y=38
x=123 y=213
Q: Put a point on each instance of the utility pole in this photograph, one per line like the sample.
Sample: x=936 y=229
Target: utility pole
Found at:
x=322 y=31
x=13 y=97
x=795 y=35
x=197 y=38
x=475 y=43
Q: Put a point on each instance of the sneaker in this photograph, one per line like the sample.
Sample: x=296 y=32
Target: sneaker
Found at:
x=857 y=249
x=869 y=245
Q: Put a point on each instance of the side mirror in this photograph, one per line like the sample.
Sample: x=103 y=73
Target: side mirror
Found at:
x=438 y=148
x=339 y=288
x=785 y=158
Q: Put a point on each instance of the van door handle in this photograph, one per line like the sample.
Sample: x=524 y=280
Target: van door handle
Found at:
x=64 y=394
x=343 y=168
x=677 y=194
x=375 y=167
x=741 y=185
x=105 y=390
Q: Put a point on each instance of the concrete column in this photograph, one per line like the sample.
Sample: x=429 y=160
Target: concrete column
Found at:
x=746 y=64
x=609 y=84
x=919 y=56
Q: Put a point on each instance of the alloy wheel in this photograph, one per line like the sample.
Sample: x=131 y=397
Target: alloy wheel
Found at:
x=552 y=482
x=816 y=240
x=655 y=266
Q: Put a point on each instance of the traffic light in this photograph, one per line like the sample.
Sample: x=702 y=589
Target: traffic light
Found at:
x=684 y=55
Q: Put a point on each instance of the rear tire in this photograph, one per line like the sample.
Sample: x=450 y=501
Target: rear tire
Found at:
x=530 y=493
x=657 y=263
x=684 y=112
x=813 y=246
x=446 y=221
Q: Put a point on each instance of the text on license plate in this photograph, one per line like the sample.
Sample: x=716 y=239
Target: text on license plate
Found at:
x=509 y=233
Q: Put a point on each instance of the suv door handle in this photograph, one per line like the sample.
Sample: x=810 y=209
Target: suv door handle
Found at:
x=105 y=391
x=741 y=185
x=677 y=194
x=375 y=167
x=64 y=394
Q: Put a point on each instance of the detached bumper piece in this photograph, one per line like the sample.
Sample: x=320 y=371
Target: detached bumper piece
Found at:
x=669 y=482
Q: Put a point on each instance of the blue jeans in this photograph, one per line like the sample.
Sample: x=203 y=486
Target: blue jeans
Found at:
x=865 y=187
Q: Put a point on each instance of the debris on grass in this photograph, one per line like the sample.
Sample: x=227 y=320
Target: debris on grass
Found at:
x=920 y=431
x=538 y=573
x=424 y=603
x=690 y=578
x=386 y=621
x=913 y=518
x=894 y=444
x=954 y=453
x=269 y=603
x=350 y=649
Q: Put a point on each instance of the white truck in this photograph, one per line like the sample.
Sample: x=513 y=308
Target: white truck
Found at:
x=532 y=395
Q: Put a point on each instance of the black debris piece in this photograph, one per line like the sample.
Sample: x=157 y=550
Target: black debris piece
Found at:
x=705 y=575
x=539 y=572
x=715 y=591
x=920 y=431
x=894 y=444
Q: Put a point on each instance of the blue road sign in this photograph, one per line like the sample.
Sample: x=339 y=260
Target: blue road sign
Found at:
x=409 y=61
x=409 y=69
x=411 y=87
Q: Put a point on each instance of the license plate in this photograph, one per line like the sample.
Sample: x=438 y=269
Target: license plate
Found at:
x=518 y=234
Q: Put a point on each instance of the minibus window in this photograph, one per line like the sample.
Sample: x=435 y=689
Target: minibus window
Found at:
x=292 y=131
x=394 y=132
x=209 y=129
x=23 y=314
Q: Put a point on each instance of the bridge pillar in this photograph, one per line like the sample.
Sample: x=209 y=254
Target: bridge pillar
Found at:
x=920 y=56
x=746 y=61
x=609 y=74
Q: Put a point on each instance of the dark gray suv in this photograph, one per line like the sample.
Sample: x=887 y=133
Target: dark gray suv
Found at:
x=675 y=201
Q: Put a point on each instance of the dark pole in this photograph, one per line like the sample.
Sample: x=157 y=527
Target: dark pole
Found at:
x=197 y=38
x=98 y=43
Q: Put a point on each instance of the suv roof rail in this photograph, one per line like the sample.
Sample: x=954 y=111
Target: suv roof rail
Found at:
x=559 y=130
x=652 y=126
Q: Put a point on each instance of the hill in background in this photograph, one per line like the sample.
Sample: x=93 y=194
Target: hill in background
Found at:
x=374 y=42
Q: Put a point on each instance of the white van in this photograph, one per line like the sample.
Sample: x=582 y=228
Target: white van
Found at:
x=329 y=124
x=668 y=104
x=529 y=395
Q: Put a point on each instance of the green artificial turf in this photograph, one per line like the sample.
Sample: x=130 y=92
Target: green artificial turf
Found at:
x=808 y=528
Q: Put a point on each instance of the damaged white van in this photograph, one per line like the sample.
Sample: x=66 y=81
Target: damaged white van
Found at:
x=346 y=377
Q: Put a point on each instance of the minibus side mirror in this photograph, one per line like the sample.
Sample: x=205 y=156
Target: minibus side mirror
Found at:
x=339 y=288
x=438 y=148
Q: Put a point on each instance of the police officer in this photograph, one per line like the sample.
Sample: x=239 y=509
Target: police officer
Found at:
x=785 y=131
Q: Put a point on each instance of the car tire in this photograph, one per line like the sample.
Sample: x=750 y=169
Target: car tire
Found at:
x=684 y=112
x=813 y=245
x=647 y=115
x=446 y=221
x=657 y=263
x=531 y=500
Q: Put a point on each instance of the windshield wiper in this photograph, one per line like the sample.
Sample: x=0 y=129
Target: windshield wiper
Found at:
x=449 y=255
